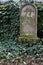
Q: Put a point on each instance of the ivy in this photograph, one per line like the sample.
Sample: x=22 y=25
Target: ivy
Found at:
x=10 y=30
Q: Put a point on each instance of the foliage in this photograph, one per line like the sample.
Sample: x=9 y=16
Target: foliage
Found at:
x=40 y=20
x=9 y=32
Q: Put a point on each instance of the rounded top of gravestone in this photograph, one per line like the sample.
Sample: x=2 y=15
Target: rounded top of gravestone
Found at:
x=32 y=6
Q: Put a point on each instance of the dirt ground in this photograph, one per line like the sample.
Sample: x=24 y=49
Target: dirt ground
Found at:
x=23 y=60
x=27 y=62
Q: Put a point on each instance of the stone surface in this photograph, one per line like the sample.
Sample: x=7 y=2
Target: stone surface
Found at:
x=28 y=20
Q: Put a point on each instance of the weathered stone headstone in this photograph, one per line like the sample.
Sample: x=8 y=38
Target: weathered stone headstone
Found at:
x=28 y=21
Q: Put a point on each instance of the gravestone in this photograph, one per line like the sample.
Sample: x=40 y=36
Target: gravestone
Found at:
x=28 y=21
